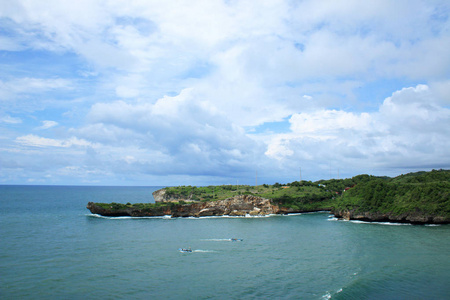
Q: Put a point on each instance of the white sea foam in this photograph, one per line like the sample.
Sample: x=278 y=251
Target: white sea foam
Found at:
x=379 y=223
x=124 y=217
x=231 y=217
x=196 y=251
x=169 y=217
x=328 y=295
x=222 y=240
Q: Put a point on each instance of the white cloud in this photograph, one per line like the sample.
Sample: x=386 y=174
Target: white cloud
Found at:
x=415 y=110
x=400 y=133
x=327 y=121
x=42 y=142
x=175 y=134
x=10 y=120
x=9 y=45
x=13 y=88
x=279 y=148
x=47 y=124
x=442 y=91
x=127 y=92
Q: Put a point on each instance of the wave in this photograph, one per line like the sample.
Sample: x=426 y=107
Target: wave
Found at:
x=379 y=223
x=332 y=218
x=169 y=217
x=230 y=217
x=329 y=295
x=127 y=217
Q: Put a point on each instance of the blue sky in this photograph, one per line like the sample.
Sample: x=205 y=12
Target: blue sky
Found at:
x=211 y=92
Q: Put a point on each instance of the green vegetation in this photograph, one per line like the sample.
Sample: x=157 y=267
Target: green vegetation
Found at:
x=421 y=192
x=222 y=192
x=304 y=195
x=136 y=206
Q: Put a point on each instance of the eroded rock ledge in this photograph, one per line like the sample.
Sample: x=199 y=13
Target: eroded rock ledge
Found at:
x=241 y=205
x=412 y=217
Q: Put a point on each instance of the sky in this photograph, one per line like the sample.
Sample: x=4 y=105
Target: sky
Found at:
x=149 y=92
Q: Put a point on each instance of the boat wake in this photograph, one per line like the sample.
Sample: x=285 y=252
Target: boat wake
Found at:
x=189 y=250
x=223 y=240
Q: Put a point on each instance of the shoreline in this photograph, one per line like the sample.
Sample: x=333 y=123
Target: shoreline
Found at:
x=169 y=217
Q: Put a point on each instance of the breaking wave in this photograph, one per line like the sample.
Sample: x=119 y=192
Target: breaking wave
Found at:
x=380 y=223
x=127 y=217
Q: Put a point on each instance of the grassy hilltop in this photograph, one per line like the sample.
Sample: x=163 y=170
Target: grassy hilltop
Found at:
x=304 y=195
x=421 y=193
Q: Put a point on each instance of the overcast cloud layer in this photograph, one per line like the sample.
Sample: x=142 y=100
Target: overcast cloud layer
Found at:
x=213 y=92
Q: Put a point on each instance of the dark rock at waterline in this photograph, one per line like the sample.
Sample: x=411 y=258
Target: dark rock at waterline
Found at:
x=244 y=205
x=235 y=206
x=410 y=217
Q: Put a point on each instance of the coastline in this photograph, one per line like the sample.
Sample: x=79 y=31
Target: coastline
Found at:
x=238 y=206
x=415 y=198
x=195 y=211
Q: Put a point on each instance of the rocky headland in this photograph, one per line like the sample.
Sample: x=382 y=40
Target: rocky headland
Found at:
x=417 y=198
x=241 y=205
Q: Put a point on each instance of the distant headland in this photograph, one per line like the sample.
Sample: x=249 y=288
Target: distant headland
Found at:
x=417 y=198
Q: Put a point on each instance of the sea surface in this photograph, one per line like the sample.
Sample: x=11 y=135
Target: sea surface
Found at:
x=52 y=247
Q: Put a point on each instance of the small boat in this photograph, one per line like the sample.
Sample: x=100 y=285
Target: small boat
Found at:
x=185 y=250
x=236 y=240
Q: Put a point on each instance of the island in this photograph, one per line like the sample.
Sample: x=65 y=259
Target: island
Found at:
x=417 y=198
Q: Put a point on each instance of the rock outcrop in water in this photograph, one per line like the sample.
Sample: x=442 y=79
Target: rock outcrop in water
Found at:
x=413 y=218
x=241 y=205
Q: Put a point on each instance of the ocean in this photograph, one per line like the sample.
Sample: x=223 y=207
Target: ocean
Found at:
x=52 y=247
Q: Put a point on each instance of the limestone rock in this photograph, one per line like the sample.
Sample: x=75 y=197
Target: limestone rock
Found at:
x=411 y=217
x=241 y=205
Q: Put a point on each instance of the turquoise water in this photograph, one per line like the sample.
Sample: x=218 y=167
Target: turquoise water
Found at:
x=53 y=248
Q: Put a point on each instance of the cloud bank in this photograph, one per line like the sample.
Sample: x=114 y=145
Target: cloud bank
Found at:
x=211 y=92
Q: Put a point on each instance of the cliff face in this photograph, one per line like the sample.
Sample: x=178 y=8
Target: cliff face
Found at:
x=235 y=206
x=162 y=196
x=414 y=218
x=125 y=211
